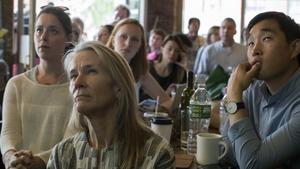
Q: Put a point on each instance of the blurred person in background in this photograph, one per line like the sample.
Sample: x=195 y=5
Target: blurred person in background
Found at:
x=76 y=33
x=155 y=42
x=121 y=12
x=197 y=41
x=104 y=33
x=226 y=52
x=213 y=35
x=80 y=24
x=187 y=52
x=167 y=69
x=128 y=39
x=4 y=76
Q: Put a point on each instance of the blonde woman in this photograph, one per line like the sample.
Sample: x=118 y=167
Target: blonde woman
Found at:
x=112 y=134
x=128 y=39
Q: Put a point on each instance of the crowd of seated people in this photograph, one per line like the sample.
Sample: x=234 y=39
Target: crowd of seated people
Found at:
x=81 y=105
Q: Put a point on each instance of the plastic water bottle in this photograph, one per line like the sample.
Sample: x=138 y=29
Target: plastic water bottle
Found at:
x=199 y=114
x=223 y=115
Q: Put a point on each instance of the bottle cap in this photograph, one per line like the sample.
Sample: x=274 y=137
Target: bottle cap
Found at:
x=162 y=120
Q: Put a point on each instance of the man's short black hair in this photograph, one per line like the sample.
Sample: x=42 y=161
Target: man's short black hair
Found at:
x=286 y=24
x=229 y=20
x=194 y=20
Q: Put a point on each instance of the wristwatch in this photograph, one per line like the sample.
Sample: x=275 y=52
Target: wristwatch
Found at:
x=232 y=107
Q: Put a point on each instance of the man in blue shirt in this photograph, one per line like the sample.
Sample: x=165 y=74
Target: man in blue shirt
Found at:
x=264 y=114
x=226 y=53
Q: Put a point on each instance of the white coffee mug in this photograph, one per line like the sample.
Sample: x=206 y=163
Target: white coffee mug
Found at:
x=162 y=126
x=208 y=148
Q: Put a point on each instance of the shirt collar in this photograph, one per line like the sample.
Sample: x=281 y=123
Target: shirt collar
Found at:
x=285 y=90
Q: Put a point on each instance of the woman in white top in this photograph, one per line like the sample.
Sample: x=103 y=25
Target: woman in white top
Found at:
x=128 y=39
x=37 y=105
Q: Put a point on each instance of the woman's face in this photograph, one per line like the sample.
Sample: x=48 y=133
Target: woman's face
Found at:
x=128 y=40
x=75 y=33
x=215 y=36
x=170 y=52
x=49 y=37
x=91 y=84
x=103 y=35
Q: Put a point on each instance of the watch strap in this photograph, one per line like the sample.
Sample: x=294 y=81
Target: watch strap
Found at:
x=240 y=105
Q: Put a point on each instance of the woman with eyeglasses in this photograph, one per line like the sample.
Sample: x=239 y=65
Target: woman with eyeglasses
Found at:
x=128 y=39
x=37 y=105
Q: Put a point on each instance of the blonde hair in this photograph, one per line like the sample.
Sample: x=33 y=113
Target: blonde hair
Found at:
x=138 y=63
x=131 y=132
x=212 y=30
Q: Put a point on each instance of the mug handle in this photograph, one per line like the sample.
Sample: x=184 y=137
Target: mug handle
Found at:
x=225 y=151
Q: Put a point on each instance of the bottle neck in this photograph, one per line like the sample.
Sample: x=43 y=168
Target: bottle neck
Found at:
x=190 y=79
x=201 y=86
x=190 y=85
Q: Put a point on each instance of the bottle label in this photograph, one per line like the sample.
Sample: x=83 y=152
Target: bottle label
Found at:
x=200 y=111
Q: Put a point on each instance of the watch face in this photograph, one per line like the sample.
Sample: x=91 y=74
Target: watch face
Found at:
x=231 y=107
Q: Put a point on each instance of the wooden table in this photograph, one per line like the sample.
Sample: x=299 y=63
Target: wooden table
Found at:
x=189 y=162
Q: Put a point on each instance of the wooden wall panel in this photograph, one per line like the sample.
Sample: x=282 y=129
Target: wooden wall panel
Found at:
x=165 y=14
x=7 y=23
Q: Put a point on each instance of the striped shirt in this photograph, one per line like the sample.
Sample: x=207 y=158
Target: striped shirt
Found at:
x=76 y=153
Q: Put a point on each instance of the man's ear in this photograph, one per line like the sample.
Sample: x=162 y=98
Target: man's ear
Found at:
x=295 y=48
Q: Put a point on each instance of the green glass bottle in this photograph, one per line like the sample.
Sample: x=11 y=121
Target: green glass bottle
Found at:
x=184 y=104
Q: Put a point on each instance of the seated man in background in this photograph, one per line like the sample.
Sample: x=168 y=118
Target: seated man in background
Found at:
x=197 y=41
x=264 y=116
x=121 y=12
x=226 y=53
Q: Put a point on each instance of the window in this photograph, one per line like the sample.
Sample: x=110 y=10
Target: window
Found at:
x=289 y=7
x=212 y=12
